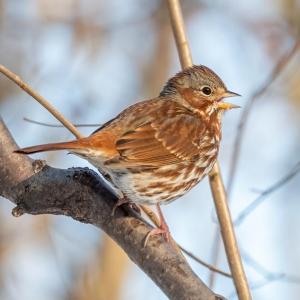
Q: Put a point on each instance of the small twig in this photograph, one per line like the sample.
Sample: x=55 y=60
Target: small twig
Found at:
x=29 y=90
x=215 y=178
x=178 y=27
x=58 y=125
x=205 y=264
x=263 y=196
x=152 y=216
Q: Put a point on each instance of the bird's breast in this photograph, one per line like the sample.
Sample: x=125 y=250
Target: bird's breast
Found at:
x=165 y=184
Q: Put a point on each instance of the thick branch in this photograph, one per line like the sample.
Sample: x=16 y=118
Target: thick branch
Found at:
x=13 y=168
x=79 y=193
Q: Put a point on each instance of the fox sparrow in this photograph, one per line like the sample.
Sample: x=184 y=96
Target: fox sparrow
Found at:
x=156 y=150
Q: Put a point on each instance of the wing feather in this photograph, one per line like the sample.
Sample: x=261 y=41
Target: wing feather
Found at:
x=157 y=144
x=141 y=148
x=181 y=135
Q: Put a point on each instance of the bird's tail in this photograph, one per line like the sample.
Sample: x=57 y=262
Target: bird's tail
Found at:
x=75 y=145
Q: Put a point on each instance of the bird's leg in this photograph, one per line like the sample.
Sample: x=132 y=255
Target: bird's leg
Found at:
x=162 y=229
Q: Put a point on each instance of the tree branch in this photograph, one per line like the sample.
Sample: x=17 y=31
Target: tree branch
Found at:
x=80 y=193
x=215 y=177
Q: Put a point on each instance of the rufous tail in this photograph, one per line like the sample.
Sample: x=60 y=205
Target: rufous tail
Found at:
x=72 y=145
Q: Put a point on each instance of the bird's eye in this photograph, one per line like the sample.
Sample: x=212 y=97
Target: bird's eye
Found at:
x=206 y=90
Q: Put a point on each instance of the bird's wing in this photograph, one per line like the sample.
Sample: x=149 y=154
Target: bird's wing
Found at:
x=163 y=141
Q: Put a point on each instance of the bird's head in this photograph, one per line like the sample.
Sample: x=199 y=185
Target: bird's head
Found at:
x=199 y=88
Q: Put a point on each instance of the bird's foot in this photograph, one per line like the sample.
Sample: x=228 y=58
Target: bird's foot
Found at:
x=163 y=229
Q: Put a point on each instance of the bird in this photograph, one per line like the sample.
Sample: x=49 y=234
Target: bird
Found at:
x=156 y=150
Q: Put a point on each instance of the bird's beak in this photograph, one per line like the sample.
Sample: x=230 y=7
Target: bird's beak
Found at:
x=226 y=105
x=228 y=94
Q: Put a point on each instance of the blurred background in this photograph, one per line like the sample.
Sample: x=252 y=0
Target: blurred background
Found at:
x=93 y=58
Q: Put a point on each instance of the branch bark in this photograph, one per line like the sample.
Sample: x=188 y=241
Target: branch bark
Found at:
x=37 y=188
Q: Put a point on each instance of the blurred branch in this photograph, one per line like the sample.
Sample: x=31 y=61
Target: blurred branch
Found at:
x=277 y=70
x=215 y=178
x=263 y=195
x=268 y=276
x=205 y=264
x=103 y=278
x=79 y=193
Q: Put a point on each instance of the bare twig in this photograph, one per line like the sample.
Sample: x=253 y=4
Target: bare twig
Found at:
x=58 y=125
x=263 y=195
x=178 y=27
x=216 y=183
x=229 y=239
x=205 y=264
x=29 y=90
